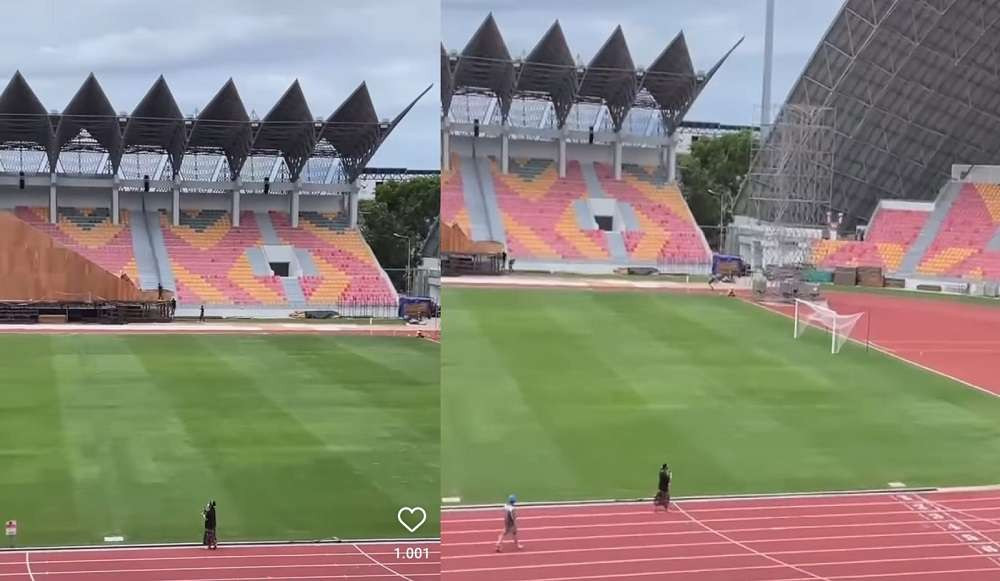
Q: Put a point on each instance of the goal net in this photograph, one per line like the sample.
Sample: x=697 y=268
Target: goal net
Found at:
x=809 y=315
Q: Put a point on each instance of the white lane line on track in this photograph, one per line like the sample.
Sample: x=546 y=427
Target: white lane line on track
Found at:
x=230 y=546
x=746 y=530
x=455 y=514
x=778 y=563
x=716 y=555
x=220 y=568
x=202 y=558
x=381 y=564
x=739 y=544
x=27 y=565
x=527 y=517
x=487 y=542
x=987 y=549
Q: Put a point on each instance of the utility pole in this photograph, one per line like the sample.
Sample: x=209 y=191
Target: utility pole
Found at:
x=765 y=113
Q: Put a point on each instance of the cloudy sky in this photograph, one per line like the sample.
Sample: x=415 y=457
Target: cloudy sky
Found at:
x=329 y=45
x=710 y=26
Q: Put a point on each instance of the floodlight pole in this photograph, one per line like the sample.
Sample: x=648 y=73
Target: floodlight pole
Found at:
x=765 y=113
x=409 y=254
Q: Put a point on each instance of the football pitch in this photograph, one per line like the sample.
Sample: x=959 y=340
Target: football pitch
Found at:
x=569 y=394
x=295 y=436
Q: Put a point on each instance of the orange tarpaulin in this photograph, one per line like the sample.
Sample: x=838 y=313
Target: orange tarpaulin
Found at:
x=455 y=241
x=34 y=267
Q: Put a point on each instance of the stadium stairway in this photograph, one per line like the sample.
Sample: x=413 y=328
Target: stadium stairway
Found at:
x=584 y=218
x=258 y=262
x=915 y=255
x=306 y=262
x=267 y=233
x=616 y=247
x=474 y=204
x=492 y=207
x=594 y=188
x=994 y=244
x=293 y=292
x=161 y=257
x=145 y=260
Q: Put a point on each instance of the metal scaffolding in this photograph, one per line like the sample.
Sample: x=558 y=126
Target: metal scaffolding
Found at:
x=791 y=177
x=916 y=87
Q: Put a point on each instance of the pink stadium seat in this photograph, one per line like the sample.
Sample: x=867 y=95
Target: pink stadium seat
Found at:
x=889 y=237
x=208 y=256
x=537 y=210
x=349 y=274
x=90 y=233
x=668 y=233
x=959 y=250
x=453 y=209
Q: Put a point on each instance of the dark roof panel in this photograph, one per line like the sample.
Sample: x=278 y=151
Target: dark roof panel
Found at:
x=353 y=129
x=485 y=63
x=156 y=123
x=913 y=88
x=288 y=129
x=23 y=118
x=90 y=110
x=611 y=77
x=224 y=126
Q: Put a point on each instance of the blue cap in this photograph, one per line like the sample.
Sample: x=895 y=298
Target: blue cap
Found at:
x=512 y=499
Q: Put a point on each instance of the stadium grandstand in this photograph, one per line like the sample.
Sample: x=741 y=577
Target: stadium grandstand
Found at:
x=570 y=167
x=249 y=216
x=885 y=154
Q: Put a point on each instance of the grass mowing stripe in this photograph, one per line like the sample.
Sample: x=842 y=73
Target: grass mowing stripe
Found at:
x=156 y=424
x=625 y=381
x=373 y=399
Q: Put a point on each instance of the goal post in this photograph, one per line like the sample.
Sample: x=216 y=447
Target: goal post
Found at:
x=815 y=315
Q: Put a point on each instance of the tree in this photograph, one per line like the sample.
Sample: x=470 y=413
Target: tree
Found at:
x=712 y=175
x=404 y=208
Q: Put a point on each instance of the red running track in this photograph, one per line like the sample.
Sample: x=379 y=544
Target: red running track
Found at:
x=361 y=562
x=960 y=340
x=875 y=537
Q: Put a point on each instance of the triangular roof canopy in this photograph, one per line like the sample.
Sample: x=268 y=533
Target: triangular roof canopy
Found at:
x=353 y=129
x=23 y=118
x=287 y=128
x=549 y=68
x=485 y=63
x=671 y=80
x=611 y=77
x=224 y=125
x=447 y=82
x=157 y=123
x=90 y=110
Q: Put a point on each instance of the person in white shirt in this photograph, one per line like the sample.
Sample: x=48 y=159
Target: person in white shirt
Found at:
x=509 y=524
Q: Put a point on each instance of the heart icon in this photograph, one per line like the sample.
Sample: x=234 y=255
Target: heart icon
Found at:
x=407 y=514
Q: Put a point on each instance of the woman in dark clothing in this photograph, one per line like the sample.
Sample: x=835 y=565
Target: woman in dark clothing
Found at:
x=209 y=514
x=663 y=487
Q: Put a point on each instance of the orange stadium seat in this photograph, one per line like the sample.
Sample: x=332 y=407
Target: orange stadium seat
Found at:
x=668 y=232
x=208 y=256
x=348 y=271
x=889 y=236
x=89 y=232
x=960 y=248
x=537 y=210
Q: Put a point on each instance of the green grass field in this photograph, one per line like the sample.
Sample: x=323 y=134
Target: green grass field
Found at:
x=558 y=395
x=295 y=437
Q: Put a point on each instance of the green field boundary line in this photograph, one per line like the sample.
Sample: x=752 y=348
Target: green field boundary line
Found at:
x=889 y=353
x=251 y=544
x=707 y=498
